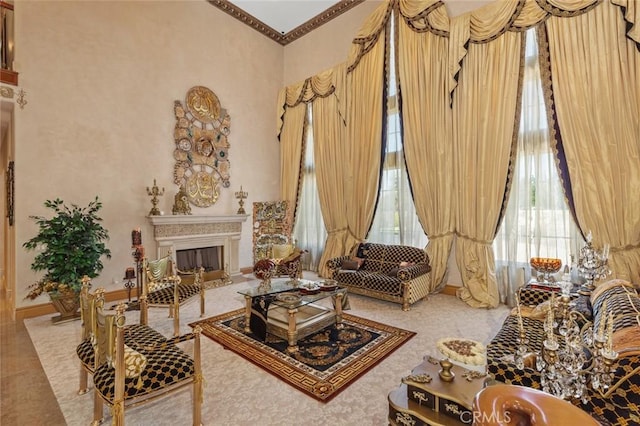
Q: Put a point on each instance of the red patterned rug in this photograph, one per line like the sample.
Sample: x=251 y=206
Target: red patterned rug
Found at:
x=326 y=362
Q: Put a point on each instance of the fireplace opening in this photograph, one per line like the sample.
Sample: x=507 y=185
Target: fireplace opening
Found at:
x=210 y=258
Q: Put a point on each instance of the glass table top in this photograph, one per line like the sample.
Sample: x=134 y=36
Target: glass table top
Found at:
x=288 y=293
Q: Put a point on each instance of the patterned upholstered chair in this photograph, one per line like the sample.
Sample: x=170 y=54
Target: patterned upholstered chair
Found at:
x=273 y=240
x=163 y=287
x=132 y=370
x=89 y=302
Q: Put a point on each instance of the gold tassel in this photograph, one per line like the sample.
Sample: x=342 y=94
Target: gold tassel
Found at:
x=117 y=413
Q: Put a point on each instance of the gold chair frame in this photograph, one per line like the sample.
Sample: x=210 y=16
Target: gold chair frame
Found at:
x=162 y=273
x=109 y=330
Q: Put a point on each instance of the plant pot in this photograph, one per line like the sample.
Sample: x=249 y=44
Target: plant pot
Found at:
x=67 y=305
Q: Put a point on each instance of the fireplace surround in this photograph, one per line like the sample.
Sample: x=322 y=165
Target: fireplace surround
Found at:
x=184 y=232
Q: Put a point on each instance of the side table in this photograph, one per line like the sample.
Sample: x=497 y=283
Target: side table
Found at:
x=424 y=399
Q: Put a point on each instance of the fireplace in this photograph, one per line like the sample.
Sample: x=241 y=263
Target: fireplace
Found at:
x=209 y=258
x=214 y=241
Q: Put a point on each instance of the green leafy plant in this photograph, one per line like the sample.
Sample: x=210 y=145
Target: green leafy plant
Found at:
x=72 y=243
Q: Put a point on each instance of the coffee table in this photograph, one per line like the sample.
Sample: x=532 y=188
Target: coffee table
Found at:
x=285 y=310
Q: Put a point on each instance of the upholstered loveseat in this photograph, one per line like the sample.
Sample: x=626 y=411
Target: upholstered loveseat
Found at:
x=395 y=273
x=620 y=403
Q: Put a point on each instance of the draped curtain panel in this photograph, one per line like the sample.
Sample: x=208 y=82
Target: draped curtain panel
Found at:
x=423 y=77
x=365 y=84
x=596 y=83
x=291 y=143
x=484 y=112
x=329 y=156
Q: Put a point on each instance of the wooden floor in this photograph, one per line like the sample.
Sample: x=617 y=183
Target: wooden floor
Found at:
x=26 y=397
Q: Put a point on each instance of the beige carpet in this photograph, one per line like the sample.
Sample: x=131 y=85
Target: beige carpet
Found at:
x=237 y=392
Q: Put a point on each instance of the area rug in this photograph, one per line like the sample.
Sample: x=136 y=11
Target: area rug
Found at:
x=326 y=363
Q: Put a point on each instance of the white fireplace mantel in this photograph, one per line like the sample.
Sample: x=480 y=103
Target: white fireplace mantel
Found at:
x=180 y=232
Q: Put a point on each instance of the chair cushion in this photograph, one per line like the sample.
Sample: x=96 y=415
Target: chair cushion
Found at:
x=165 y=367
x=165 y=295
x=135 y=334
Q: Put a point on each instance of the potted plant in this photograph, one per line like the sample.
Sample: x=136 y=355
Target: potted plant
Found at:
x=72 y=245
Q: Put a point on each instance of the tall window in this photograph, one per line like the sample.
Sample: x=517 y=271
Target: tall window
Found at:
x=538 y=222
x=309 y=230
x=395 y=220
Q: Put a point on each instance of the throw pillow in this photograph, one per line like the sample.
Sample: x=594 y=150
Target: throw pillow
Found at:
x=352 y=264
x=280 y=251
x=406 y=264
x=393 y=272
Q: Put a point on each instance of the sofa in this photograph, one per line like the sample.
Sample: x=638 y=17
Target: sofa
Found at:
x=620 y=403
x=395 y=273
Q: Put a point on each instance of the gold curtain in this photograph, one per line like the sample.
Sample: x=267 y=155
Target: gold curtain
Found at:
x=365 y=83
x=632 y=16
x=596 y=83
x=329 y=156
x=291 y=143
x=291 y=121
x=484 y=111
x=428 y=146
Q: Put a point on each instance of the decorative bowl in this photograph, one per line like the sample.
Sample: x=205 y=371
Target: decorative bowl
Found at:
x=546 y=266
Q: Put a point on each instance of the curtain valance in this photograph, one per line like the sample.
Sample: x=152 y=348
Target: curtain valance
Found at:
x=369 y=34
x=320 y=85
x=489 y=22
x=631 y=11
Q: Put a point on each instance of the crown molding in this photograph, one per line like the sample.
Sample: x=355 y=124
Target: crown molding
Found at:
x=301 y=30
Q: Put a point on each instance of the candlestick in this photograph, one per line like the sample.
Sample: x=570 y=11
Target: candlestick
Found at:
x=241 y=195
x=129 y=274
x=136 y=237
x=154 y=192
x=520 y=325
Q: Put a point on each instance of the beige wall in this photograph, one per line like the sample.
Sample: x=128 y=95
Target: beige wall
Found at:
x=101 y=79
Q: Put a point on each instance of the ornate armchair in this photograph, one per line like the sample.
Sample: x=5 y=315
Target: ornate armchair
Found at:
x=272 y=237
x=163 y=287
x=89 y=302
x=130 y=371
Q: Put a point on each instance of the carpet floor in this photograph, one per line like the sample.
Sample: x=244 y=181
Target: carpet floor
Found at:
x=238 y=393
x=326 y=361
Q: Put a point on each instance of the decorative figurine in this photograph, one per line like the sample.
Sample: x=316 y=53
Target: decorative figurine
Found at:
x=181 y=202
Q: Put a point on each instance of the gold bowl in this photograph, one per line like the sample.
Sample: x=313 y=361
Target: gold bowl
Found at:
x=546 y=266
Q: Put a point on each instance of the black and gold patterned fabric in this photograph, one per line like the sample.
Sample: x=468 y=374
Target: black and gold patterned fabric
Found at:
x=135 y=335
x=165 y=295
x=500 y=362
x=164 y=368
x=376 y=276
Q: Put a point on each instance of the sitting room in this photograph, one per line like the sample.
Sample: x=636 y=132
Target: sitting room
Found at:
x=374 y=210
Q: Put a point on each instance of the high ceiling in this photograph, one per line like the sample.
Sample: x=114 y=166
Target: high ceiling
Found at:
x=284 y=20
x=287 y=20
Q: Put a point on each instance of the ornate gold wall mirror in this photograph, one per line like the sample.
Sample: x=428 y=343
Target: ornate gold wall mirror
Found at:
x=202 y=146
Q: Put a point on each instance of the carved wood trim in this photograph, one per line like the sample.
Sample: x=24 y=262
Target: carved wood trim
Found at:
x=301 y=30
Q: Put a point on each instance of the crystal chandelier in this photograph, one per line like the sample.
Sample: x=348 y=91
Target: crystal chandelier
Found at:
x=592 y=265
x=572 y=357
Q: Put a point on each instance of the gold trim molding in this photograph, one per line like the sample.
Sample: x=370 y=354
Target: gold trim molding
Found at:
x=301 y=30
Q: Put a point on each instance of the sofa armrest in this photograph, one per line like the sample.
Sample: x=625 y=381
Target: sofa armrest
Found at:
x=336 y=263
x=410 y=272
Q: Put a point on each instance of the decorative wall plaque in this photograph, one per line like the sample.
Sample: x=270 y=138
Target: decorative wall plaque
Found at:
x=201 y=146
